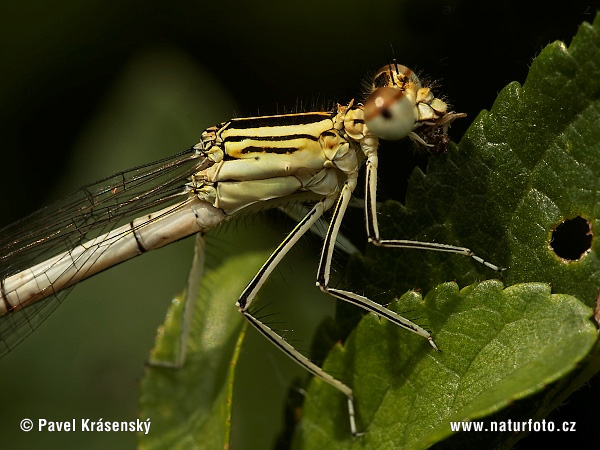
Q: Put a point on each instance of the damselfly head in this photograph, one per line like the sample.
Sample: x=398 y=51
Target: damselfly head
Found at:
x=390 y=109
x=398 y=106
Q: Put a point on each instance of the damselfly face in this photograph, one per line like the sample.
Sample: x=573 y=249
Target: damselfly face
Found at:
x=398 y=106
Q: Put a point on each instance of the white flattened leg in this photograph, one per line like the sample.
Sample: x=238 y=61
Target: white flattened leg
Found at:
x=373 y=229
x=348 y=296
x=256 y=283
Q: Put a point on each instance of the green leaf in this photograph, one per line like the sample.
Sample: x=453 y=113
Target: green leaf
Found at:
x=523 y=168
x=190 y=407
x=497 y=346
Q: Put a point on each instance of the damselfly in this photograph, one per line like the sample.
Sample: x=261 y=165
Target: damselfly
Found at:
x=238 y=166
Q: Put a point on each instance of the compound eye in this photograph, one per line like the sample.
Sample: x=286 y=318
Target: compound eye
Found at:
x=394 y=75
x=390 y=113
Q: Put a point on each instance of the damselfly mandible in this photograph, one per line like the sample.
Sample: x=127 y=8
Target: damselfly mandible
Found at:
x=238 y=166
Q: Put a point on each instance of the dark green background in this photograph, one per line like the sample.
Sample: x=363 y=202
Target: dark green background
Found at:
x=62 y=67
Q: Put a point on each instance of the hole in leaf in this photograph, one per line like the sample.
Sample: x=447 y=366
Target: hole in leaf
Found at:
x=572 y=238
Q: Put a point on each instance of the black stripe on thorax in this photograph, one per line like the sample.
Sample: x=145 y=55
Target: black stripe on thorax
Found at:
x=285 y=137
x=278 y=121
x=265 y=149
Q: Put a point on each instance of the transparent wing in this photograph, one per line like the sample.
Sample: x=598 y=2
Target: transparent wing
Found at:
x=91 y=211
